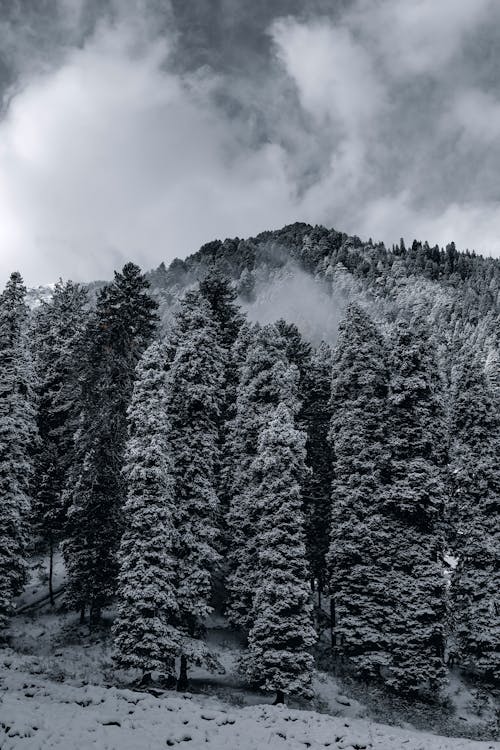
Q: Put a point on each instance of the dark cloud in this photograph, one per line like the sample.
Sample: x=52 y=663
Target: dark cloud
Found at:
x=143 y=129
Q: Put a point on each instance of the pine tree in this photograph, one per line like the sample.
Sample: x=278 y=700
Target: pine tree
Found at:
x=414 y=504
x=194 y=394
x=17 y=437
x=281 y=635
x=115 y=337
x=144 y=630
x=265 y=379
x=59 y=326
x=316 y=415
x=475 y=450
x=356 y=560
x=221 y=297
x=315 y=374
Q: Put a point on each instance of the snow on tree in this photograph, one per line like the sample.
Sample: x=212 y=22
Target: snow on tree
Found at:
x=317 y=488
x=145 y=636
x=115 y=337
x=314 y=385
x=279 y=642
x=475 y=469
x=265 y=379
x=358 y=539
x=17 y=438
x=59 y=325
x=221 y=296
x=194 y=395
x=414 y=504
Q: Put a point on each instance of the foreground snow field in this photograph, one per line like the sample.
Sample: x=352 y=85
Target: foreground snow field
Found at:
x=37 y=714
x=55 y=692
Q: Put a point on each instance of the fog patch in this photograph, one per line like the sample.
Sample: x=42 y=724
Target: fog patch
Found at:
x=312 y=304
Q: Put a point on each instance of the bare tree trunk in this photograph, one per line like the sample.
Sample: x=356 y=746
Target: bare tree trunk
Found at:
x=51 y=571
x=182 y=682
x=332 y=623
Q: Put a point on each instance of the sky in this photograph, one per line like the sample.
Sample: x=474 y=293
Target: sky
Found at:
x=139 y=130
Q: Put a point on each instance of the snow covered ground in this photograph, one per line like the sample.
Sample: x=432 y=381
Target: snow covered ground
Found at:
x=37 y=713
x=58 y=690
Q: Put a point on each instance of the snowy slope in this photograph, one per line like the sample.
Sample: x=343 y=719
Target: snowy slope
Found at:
x=56 y=691
x=37 y=714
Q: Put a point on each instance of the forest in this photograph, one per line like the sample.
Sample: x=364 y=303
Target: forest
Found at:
x=331 y=491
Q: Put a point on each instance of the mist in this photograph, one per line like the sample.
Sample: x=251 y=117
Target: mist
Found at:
x=297 y=297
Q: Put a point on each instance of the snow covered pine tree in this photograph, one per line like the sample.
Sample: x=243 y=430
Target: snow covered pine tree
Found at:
x=265 y=379
x=116 y=335
x=144 y=630
x=281 y=635
x=356 y=557
x=194 y=394
x=414 y=506
x=475 y=451
x=59 y=326
x=17 y=437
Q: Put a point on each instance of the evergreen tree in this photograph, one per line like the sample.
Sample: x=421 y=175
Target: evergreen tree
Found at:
x=316 y=415
x=356 y=557
x=265 y=379
x=17 y=436
x=475 y=468
x=315 y=374
x=194 y=394
x=58 y=330
x=115 y=337
x=144 y=630
x=281 y=635
x=221 y=297
x=414 y=504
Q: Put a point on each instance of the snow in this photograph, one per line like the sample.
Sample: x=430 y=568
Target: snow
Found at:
x=37 y=713
x=58 y=689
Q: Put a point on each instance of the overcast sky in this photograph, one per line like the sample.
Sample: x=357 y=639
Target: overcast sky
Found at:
x=140 y=130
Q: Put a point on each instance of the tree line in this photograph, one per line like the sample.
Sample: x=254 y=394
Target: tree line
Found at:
x=303 y=483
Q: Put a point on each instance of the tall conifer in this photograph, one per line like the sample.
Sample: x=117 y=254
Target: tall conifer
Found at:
x=475 y=451
x=281 y=634
x=145 y=634
x=115 y=337
x=17 y=437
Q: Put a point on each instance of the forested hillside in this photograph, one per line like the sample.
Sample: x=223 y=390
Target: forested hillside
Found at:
x=299 y=432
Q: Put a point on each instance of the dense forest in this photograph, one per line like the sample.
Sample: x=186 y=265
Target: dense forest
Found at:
x=330 y=490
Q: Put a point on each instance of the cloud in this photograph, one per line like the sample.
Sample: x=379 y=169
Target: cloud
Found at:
x=143 y=129
x=333 y=73
x=111 y=157
x=419 y=37
x=292 y=294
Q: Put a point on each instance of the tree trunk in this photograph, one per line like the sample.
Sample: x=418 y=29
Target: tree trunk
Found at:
x=94 y=616
x=82 y=614
x=51 y=571
x=332 y=622
x=280 y=698
x=182 y=682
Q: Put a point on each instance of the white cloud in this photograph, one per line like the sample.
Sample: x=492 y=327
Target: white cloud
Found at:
x=477 y=114
x=111 y=157
x=419 y=36
x=333 y=73
x=477 y=225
